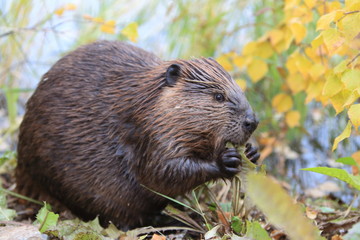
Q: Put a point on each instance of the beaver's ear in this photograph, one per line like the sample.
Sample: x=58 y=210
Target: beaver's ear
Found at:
x=172 y=74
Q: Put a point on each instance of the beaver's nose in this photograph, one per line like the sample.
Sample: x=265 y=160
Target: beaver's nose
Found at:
x=251 y=122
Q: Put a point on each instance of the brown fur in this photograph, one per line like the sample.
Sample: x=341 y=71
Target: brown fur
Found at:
x=104 y=120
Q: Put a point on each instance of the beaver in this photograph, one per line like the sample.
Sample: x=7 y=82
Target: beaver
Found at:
x=109 y=121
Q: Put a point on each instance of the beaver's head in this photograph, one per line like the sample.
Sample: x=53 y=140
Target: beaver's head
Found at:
x=201 y=108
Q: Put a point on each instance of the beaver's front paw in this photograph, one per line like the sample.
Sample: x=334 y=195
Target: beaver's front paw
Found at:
x=252 y=153
x=229 y=162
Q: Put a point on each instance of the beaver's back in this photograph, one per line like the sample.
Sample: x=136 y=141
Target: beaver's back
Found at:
x=70 y=124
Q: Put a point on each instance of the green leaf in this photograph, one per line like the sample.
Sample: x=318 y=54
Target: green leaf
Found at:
x=279 y=208
x=347 y=161
x=6 y=214
x=236 y=224
x=255 y=231
x=46 y=218
x=341 y=174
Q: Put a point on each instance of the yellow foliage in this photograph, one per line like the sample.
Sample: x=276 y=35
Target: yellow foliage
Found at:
x=257 y=69
x=68 y=7
x=298 y=30
x=325 y=20
x=296 y=82
x=345 y=134
x=338 y=101
x=264 y=50
x=224 y=61
x=108 y=27
x=351 y=79
x=241 y=61
x=276 y=36
x=314 y=91
x=333 y=85
x=316 y=70
x=249 y=48
x=282 y=102
x=241 y=82
x=350 y=24
x=354 y=115
x=131 y=31
x=332 y=39
x=292 y=118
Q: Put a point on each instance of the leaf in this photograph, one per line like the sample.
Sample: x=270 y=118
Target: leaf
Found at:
x=324 y=21
x=354 y=114
x=212 y=233
x=351 y=79
x=108 y=27
x=296 y=82
x=224 y=61
x=242 y=83
x=340 y=174
x=255 y=231
x=319 y=40
x=249 y=48
x=236 y=224
x=341 y=67
x=131 y=32
x=241 y=61
x=264 y=50
x=345 y=134
x=46 y=218
x=292 y=118
x=279 y=208
x=282 y=102
x=333 y=85
x=257 y=69
x=351 y=25
x=6 y=214
x=316 y=70
x=332 y=39
x=276 y=36
x=347 y=161
x=338 y=101
x=298 y=30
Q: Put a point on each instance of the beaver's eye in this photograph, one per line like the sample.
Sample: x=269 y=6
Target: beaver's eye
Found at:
x=219 y=97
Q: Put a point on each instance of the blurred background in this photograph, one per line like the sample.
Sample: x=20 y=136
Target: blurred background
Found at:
x=254 y=40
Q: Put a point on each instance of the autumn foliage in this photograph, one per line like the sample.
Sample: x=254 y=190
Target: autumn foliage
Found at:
x=315 y=50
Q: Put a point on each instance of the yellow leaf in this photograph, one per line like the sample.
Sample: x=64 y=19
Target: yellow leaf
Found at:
x=349 y=4
x=354 y=115
x=303 y=64
x=352 y=98
x=296 y=82
x=108 y=27
x=341 y=67
x=285 y=43
x=340 y=99
x=316 y=70
x=332 y=39
x=257 y=69
x=314 y=90
x=339 y=14
x=282 y=102
x=70 y=6
x=325 y=20
x=292 y=118
x=317 y=41
x=241 y=82
x=333 y=85
x=291 y=63
x=351 y=25
x=275 y=36
x=351 y=79
x=264 y=50
x=249 y=48
x=241 y=61
x=310 y=3
x=298 y=30
x=345 y=134
x=59 y=11
x=224 y=61
x=131 y=31
x=98 y=20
